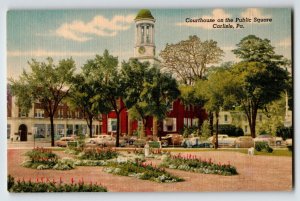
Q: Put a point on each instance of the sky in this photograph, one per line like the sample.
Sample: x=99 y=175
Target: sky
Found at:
x=81 y=34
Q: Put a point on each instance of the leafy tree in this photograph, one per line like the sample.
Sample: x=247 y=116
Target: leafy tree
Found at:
x=188 y=59
x=255 y=85
x=158 y=95
x=214 y=92
x=47 y=83
x=134 y=75
x=109 y=84
x=188 y=97
x=86 y=95
x=254 y=49
x=260 y=77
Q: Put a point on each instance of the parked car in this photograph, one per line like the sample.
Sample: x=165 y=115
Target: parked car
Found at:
x=63 y=142
x=195 y=142
x=96 y=139
x=244 y=142
x=171 y=139
x=131 y=140
x=271 y=140
x=110 y=141
x=289 y=142
x=223 y=140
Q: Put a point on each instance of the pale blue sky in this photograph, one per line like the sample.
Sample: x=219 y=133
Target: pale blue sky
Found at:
x=83 y=33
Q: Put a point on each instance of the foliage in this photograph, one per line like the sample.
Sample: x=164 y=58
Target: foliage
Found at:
x=284 y=132
x=263 y=146
x=46 y=83
x=259 y=78
x=254 y=49
x=215 y=91
x=188 y=59
x=42 y=156
x=159 y=93
x=10 y=182
x=192 y=130
x=205 y=129
x=231 y=130
x=52 y=186
x=194 y=164
x=142 y=171
x=86 y=94
x=98 y=154
x=64 y=164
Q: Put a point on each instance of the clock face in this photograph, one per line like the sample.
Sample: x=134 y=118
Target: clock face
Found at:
x=142 y=50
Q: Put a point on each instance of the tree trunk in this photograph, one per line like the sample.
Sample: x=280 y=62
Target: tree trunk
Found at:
x=155 y=130
x=159 y=130
x=52 y=129
x=211 y=123
x=253 y=124
x=91 y=126
x=217 y=130
x=129 y=132
x=118 y=130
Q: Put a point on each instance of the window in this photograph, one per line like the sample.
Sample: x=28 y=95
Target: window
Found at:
x=22 y=114
x=225 y=117
x=147 y=35
x=143 y=33
x=185 y=121
x=39 y=130
x=246 y=129
x=171 y=106
x=8 y=131
x=39 y=113
x=195 y=121
x=112 y=125
x=77 y=114
x=169 y=125
x=260 y=117
x=60 y=114
x=69 y=114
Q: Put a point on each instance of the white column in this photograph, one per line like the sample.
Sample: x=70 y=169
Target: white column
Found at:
x=151 y=33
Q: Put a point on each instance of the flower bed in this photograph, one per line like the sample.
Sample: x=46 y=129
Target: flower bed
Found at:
x=98 y=154
x=142 y=171
x=52 y=186
x=41 y=158
x=194 y=164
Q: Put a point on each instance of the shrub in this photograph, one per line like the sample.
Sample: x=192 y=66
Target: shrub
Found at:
x=64 y=164
x=194 y=164
x=10 y=182
x=52 y=186
x=41 y=159
x=142 y=171
x=98 y=154
x=230 y=130
x=42 y=156
x=284 y=132
x=190 y=130
x=263 y=146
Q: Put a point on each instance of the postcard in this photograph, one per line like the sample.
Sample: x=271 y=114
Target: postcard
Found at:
x=150 y=100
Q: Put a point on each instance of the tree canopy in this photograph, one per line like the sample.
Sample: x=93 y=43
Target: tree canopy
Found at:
x=47 y=83
x=188 y=60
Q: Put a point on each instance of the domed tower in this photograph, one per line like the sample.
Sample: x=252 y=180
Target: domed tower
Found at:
x=144 y=49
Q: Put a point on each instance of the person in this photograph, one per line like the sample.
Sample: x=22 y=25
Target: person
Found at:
x=214 y=141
